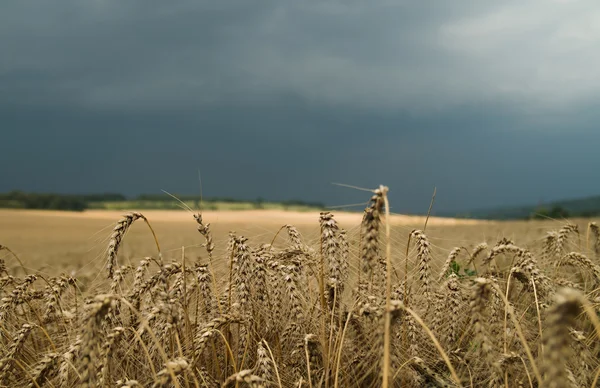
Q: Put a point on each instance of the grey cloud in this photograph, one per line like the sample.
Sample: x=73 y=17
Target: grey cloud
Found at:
x=493 y=102
x=283 y=152
x=380 y=54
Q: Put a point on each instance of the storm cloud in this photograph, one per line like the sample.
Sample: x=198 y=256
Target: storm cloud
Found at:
x=493 y=102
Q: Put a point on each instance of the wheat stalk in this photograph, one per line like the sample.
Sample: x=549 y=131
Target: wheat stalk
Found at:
x=117 y=235
x=560 y=318
x=423 y=259
x=595 y=230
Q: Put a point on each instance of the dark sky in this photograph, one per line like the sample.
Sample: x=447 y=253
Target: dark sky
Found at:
x=495 y=103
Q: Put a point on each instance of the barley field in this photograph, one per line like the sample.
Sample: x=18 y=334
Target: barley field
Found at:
x=283 y=299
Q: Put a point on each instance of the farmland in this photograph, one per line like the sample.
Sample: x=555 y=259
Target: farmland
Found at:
x=274 y=298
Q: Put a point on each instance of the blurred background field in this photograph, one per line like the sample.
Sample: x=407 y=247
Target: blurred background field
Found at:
x=53 y=242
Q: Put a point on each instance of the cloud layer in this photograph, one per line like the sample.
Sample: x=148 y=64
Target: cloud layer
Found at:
x=279 y=98
x=367 y=55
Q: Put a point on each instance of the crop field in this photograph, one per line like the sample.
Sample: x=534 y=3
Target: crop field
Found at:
x=267 y=298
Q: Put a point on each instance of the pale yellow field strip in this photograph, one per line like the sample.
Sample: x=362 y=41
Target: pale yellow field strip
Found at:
x=226 y=217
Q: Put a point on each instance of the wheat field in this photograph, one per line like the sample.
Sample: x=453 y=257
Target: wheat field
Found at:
x=275 y=299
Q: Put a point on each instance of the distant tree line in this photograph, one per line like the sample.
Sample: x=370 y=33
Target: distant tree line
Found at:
x=258 y=201
x=555 y=212
x=558 y=212
x=106 y=197
x=52 y=201
x=21 y=200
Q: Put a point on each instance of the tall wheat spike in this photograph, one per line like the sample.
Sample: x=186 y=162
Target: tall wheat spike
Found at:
x=558 y=351
x=117 y=235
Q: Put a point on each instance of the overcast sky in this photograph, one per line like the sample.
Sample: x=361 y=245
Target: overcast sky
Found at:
x=494 y=102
